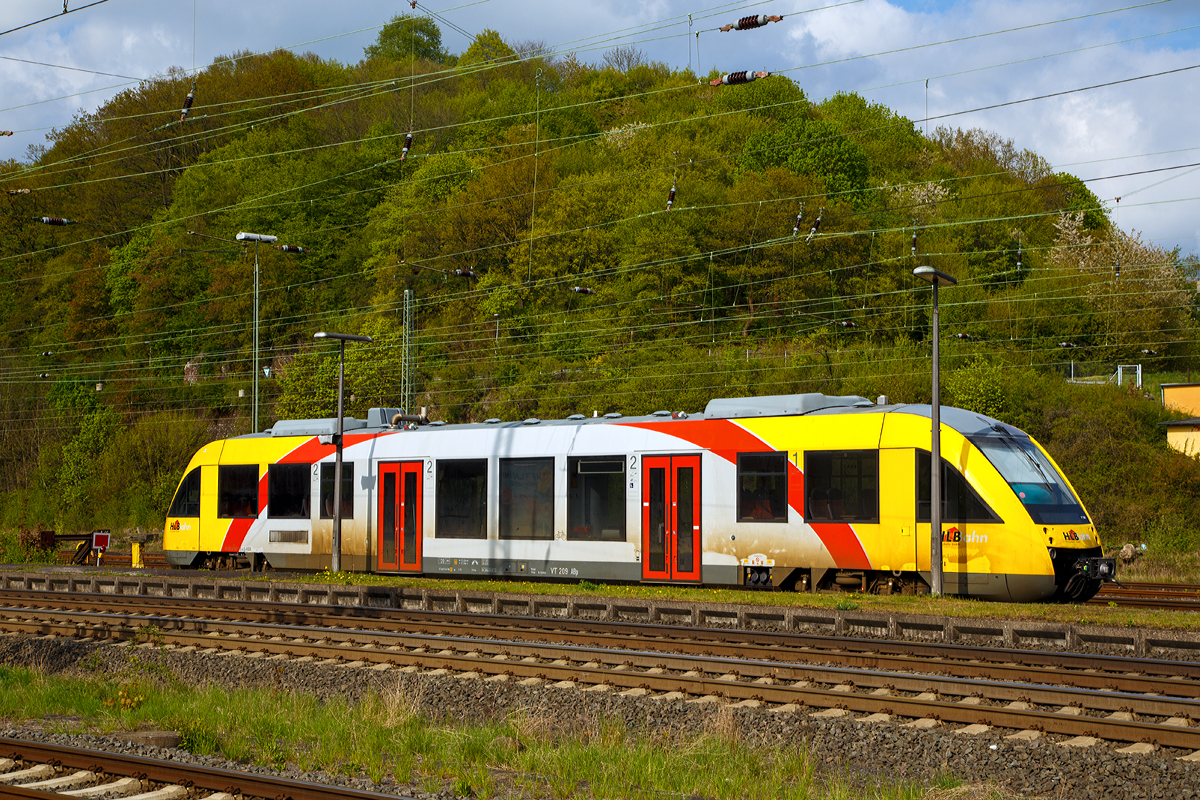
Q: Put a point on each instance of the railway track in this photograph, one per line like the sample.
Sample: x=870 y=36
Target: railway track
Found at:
x=1163 y=596
x=1144 y=701
x=39 y=770
x=1168 y=596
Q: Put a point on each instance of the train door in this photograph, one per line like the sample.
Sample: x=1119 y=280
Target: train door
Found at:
x=671 y=518
x=899 y=543
x=399 y=545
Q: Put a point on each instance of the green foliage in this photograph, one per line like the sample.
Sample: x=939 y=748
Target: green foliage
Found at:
x=407 y=37
x=978 y=387
x=79 y=456
x=487 y=48
x=810 y=147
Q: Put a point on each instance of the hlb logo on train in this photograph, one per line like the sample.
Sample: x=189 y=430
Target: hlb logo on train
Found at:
x=180 y=526
x=955 y=536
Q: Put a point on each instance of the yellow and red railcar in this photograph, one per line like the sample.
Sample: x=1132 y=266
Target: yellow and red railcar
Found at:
x=794 y=491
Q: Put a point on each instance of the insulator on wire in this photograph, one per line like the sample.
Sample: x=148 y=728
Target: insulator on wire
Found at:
x=816 y=227
x=671 y=195
x=18 y=191
x=54 y=221
x=735 y=78
x=407 y=144
x=799 y=218
x=582 y=290
x=847 y=324
x=463 y=273
x=6 y=133
x=187 y=103
x=292 y=248
x=1018 y=257
x=914 y=242
x=752 y=21
x=1118 y=274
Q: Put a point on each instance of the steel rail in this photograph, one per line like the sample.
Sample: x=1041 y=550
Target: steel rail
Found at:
x=765 y=689
x=839 y=648
x=174 y=773
x=614 y=648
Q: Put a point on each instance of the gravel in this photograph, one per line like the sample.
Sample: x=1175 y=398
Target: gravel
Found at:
x=860 y=753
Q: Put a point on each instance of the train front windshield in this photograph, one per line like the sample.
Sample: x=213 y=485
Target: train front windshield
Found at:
x=1045 y=493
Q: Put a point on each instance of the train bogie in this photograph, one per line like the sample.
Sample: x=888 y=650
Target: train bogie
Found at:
x=804 y=491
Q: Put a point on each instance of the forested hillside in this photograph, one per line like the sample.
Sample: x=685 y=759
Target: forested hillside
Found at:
x=729 y=240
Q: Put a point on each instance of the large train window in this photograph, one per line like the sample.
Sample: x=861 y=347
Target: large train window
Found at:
x=762 y=487
x=527 y=498
x=596 y=499
x=187 y=499
x=327 y=471
x=237 y=491
x=288 y=491
x=960 y=503
x=462 y=499
x=841 y=485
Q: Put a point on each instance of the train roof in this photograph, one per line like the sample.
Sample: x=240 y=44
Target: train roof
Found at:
x=966 y=422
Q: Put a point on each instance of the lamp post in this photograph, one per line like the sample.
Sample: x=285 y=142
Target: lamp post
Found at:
x=336 y=544
x=256 y=238
x=936 y=278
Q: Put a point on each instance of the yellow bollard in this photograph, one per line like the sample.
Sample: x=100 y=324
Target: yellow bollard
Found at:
x=136 y=560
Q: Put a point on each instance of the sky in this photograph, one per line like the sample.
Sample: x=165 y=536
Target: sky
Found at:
x=973 y=55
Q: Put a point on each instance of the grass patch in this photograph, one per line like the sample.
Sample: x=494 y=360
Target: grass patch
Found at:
x=386 y=736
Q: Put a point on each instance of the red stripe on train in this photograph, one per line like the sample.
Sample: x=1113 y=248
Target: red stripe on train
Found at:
x=725 y=438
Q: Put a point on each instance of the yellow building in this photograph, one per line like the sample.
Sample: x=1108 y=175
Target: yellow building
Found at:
x=1183 y=434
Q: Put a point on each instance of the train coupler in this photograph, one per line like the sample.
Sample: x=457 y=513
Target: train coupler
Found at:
x=1094 y=568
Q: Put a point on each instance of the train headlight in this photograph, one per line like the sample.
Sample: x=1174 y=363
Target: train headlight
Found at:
x=1053 y=554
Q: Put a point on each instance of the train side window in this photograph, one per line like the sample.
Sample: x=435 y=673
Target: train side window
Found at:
x=842 y=485
x=187 y=499
x=762 y=487
x=462 y=499
x=327 y=471
x=237 y=491
x=960 y=503
x=527 y=498
x=289 y=489
x=596 y=499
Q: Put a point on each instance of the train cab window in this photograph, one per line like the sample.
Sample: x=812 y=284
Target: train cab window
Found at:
x=841 y=485
x=762 y=487
x=960 y=503
x=237 y=491
x=527 y=498
x=187 y=499
x=289 y=491
x=596 y=499
x=462 y=499
x=326 y=502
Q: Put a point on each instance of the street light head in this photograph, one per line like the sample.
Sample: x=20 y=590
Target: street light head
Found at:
x=343 y=337
x=934 y=276
x=265 y=238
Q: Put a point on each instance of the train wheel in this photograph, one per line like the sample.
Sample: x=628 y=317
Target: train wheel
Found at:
x=1078 y=589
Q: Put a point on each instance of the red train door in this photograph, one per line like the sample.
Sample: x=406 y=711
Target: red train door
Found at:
x=400 y=516
x=671 y=518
